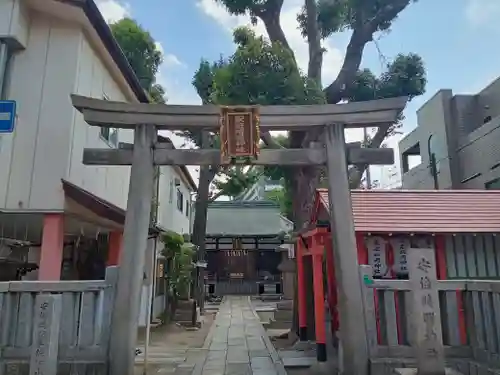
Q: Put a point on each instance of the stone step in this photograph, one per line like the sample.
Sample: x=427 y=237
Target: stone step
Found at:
x=283 y=315
x=285 y=305
x=278 y=325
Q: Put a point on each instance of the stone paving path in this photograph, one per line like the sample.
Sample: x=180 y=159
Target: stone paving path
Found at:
x=238 y=344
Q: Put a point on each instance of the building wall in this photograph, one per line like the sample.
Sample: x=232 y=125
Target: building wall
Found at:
x=433 y=119
x=479 y=156
x=169 y=215
x=94 y=80
x=50 y=134
x=466 y=134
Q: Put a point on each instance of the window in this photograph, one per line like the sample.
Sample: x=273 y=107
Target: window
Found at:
x=110 y=135
x=187 y=208
x=180 y=201
x=411 y=157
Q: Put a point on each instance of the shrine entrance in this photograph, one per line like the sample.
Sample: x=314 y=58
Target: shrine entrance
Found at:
x=240 y=129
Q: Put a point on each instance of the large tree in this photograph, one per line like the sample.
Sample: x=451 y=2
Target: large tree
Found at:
x=318 y=20
x=142 y=54
x=265 y=71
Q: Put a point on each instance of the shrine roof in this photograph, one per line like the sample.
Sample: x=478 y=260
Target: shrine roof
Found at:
x=247 y=218
x=422 y=211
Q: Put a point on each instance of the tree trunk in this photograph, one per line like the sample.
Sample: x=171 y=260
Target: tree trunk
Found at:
x=200 y=223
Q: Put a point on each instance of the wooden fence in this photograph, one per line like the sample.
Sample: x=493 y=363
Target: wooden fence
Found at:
x=468 y=324
x=61 y=326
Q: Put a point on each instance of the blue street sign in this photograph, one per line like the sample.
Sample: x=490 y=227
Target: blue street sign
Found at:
x=7 y=116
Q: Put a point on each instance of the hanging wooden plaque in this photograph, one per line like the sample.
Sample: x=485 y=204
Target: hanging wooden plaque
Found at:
x=239 y=134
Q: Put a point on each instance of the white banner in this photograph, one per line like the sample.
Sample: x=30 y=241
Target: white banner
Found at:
x=376 y=256
x=400 y=246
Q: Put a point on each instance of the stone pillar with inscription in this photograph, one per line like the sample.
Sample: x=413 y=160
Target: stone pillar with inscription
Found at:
x=426 y=313
x=44 y=350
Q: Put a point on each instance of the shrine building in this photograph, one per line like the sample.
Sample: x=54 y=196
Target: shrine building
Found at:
x=243 y=247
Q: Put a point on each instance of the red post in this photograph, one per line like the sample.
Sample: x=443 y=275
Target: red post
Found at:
x=301 y=290
x=361 y=248
x=51 y=252
x=319 y=307
x=440 y=248
x=115 y=244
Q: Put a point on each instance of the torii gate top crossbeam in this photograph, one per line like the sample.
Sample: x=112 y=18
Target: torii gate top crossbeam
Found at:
x=104 y=113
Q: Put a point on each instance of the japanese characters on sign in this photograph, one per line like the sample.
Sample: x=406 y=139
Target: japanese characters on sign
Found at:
x=239 y=133
x=44 y=353
x=377 y=256
x=400 y=246
x=236 y=253
x=426 y=311
x=41 y=338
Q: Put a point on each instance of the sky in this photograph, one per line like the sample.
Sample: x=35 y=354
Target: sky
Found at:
x=452 y=36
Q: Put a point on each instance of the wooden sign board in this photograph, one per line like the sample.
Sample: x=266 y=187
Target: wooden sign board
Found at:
x=239 y=133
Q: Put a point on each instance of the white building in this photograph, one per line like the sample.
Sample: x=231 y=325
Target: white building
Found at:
x=59 y=208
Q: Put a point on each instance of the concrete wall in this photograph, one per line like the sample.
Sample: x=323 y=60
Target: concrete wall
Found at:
x=465 y=139
x=479 y=155
x=433 y=119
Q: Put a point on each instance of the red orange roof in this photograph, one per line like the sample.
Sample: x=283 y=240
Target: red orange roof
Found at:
x=424 y=211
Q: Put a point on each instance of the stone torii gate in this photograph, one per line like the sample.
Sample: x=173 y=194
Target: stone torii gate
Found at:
x=240 y=129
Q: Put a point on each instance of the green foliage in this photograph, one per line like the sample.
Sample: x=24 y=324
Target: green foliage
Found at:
x=142 y=54
x=265 y=72
x=179 y=256
x=405 y=76
x=157 y=93
x=259 y=73
x=341 y=15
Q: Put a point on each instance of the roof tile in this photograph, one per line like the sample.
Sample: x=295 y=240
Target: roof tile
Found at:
x=419 y=211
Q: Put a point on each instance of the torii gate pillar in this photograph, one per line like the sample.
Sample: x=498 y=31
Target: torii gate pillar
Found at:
x=354 y=358
x=131 y=270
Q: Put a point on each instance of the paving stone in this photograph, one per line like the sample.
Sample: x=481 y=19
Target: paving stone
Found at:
x=262 y=363
x=183 y=371
x=219 y=371
x=238 y=369
x=258 y=353
x=218 y=346
x=214 y=364
x=237 y=345
x=188 y=366
x=216 y=354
